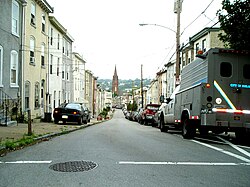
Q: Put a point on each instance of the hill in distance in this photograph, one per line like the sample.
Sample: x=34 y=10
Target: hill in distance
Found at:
x=124 y=85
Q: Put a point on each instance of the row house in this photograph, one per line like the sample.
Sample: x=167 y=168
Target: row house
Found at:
x=55 y=64
x=152 y=92
x=35 y=57
x=164 y=83
x=78 y=78
x=89 y=87
x=38 y=69
x=202 y=41
x=11 y=49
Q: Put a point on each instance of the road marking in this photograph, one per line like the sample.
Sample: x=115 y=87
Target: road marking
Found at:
x=27 y=162
x=184 y=163
x=223 y=151
x=235 y=146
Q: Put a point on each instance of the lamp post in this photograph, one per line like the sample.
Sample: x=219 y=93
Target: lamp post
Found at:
x=177 y=33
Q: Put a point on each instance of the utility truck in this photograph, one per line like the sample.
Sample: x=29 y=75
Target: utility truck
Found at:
x=214 y=95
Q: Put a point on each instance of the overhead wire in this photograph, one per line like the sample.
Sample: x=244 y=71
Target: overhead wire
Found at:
x=202 y=13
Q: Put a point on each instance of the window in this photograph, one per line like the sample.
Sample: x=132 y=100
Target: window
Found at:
x=42 y=55
x=67 y=73
x=51 y=64
x=1 y=65
x=246 y=69
x=13 y=68
x=59 y=98
x=197 y=47
x=58 y=42
x=33 y=14
x=32 y=50
x=63 y=71
x=43 y=22
x=204 y=45
x=54 y=100
x=225 y=69
x=36 y=95
x=63 y=49
x=51 y=36
x=27 y=95
x=57 y=68
x=15 y=18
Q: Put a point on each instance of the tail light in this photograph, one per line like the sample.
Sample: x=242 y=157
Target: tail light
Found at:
x=76 y=112
x=56 y=111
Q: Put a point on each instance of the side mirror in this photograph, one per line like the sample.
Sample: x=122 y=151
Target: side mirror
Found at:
x=168 y=100
x=162 y=99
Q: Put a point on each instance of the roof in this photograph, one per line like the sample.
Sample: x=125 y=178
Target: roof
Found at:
x=203 y=32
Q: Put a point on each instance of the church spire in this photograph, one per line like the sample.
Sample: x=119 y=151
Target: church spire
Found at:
x=115 y=73
x=115 y=91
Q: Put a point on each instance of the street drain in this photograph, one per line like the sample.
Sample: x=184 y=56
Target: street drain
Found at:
x=74 y=166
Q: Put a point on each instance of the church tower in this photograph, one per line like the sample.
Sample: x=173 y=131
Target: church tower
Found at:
x=115 y=90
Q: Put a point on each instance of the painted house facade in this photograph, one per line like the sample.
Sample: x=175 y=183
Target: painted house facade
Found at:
x=35 y=57
x=78 y=78
x=57 y=31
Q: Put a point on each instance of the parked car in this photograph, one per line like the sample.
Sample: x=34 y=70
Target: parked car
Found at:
x=139 y=115
x=149 y=112
x=71 y=112
x=88 y=113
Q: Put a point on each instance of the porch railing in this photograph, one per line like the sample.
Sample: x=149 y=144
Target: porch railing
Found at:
x=8 y=108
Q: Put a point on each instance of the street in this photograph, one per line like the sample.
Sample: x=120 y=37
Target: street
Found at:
x=120 y=152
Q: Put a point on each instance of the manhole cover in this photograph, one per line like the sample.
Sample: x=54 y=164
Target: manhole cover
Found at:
x=74 y=166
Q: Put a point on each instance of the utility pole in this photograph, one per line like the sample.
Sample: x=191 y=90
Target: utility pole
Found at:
x=141 y=87
x=177 y=10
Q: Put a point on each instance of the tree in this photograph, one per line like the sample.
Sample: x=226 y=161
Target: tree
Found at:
x=234 y=18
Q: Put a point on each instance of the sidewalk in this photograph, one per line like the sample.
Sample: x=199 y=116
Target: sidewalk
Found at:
x=40 y=130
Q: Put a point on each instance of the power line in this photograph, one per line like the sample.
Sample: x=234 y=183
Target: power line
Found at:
x=197 y=16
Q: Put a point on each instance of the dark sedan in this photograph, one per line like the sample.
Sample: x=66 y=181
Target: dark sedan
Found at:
x=71 y=112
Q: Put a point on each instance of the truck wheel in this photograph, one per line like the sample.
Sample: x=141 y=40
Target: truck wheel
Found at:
x=162 y=126
x=188 y=132
x=242 y=136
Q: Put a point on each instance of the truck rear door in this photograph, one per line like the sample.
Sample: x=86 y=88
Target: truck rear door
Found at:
x=232 y=82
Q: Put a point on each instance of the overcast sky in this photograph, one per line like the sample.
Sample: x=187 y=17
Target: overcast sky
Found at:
x=107 y=32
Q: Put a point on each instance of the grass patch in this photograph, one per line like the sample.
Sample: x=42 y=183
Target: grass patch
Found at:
x=14 y=144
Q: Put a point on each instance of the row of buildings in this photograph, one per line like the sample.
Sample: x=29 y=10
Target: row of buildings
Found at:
x=38 y=68
x=164 y=82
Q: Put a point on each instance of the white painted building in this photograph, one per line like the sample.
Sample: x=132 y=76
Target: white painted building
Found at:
x=55 y=63
x=78 y=78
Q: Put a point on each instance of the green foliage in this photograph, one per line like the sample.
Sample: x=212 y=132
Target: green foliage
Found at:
x=26 y=140
x=234 y=18
x=132 y=106
x=104 y=112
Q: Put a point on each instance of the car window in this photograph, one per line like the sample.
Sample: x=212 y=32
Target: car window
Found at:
x=73 y=106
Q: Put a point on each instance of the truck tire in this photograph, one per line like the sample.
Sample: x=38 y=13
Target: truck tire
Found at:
x=188 y=132
x=242 y=136
x=162 y=126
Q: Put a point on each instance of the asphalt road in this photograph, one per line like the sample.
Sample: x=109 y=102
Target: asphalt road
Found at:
x=121 y=153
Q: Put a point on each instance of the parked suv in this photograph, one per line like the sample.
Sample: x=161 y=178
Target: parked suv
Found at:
x=149 y=112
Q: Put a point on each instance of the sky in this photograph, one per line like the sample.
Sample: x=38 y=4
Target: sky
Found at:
x=107 y=33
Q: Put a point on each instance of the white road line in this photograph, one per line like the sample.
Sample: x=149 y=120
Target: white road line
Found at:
x=184 y=163
x=223 y=151
x=235 y=147
x=27 y=162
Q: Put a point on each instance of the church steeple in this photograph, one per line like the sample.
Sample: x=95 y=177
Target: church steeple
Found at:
x=115 y=90
x=115 y=74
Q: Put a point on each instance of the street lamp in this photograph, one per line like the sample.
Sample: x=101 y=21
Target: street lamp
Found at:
x=145 y=24
x=177 y=66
